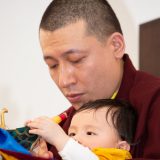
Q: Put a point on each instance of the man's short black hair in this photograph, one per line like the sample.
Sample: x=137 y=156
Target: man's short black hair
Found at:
x=99 y=16
x=123 y=116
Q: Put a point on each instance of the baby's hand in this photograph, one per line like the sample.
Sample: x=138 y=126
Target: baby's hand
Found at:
x=41 y=150
x=49 y=130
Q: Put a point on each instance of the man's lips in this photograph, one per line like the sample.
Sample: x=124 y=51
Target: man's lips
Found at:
x=74 y=97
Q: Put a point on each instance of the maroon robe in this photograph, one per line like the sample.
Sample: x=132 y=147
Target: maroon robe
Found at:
x=21 y=156
x=143 y=92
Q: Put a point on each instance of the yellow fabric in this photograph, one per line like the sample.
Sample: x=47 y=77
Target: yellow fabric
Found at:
x=114 y=95
x=6 y=156
x=112 y=154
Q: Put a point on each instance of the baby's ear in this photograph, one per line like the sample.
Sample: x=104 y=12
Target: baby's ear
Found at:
x=123 y=145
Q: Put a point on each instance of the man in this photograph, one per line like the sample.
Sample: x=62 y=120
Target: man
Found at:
x=83 y=46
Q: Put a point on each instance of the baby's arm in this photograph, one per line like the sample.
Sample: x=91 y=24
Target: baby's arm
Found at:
x=68 y=148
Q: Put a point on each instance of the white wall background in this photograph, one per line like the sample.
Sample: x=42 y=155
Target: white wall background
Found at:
x=25 y=85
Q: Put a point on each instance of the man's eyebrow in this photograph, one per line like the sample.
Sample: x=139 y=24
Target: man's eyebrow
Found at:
x=48 y=58
x=70 y=51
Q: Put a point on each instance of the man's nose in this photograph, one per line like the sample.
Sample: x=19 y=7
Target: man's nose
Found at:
x=66 y=76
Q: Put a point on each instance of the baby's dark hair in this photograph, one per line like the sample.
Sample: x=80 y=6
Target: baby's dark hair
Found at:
x=124 y=117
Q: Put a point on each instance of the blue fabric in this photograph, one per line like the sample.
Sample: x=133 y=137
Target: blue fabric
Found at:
x=7 y=142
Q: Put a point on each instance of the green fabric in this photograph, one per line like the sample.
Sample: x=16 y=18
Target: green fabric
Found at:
x=22 y=136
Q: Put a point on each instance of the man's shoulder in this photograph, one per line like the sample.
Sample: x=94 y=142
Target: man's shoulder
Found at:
x=143 y=79
x=146 y=87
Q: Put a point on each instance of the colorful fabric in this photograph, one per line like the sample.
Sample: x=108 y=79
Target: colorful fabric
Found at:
x=22 y=136
x=7 y=142
x=5 y=156
x=10 y=155
x=16 y=143
x=112 y=154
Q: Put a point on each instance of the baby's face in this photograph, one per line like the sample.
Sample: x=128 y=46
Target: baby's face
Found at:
x=91 y=129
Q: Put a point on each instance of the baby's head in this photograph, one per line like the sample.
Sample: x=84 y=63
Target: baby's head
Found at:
x=104 y=123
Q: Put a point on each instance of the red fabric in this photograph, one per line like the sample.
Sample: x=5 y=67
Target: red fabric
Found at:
x=22 y=156
x=143 y=92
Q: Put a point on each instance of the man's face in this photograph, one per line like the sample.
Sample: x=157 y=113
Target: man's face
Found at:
x=91 y=129
x=83 y=68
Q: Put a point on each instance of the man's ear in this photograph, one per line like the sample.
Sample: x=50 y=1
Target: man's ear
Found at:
x=123 y=145
x=118 y=44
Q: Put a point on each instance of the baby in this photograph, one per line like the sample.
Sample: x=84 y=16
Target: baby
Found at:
x=103 y=129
